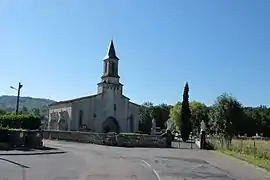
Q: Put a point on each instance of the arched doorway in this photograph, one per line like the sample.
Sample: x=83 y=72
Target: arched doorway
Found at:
x=110 y=125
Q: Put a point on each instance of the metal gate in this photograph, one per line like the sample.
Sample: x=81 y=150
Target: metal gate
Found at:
x=189 y=144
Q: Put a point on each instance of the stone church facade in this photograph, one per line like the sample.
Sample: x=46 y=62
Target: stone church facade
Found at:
x=107 y=111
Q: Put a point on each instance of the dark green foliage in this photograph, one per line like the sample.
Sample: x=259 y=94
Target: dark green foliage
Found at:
x=255 y=120
x=148 y=111
x=21 y=121
x=3 y=135
x=161 y=114
x=145 y=113
x=245 y=120
x=199 y=112
x=225 y=116
x=185 y=125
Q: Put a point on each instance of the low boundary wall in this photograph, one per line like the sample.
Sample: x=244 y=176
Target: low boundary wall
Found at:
x=19 y=138
x=110 y=139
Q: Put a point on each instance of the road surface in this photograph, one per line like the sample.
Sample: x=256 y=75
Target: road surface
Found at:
x=94 y=162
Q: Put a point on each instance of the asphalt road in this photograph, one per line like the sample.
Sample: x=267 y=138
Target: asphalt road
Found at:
x=94 y=162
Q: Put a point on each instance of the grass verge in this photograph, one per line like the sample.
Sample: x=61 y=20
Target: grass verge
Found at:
x=256 y=152
x=262 y=163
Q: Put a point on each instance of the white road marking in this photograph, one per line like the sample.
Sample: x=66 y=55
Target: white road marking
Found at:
x=154 y=171
x=144 y=165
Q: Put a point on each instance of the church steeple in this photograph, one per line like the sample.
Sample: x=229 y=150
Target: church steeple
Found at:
x=111 y=52
x=110 y=63
x=110 y=77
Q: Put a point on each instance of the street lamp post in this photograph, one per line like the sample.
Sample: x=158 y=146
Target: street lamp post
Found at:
x=18 y=96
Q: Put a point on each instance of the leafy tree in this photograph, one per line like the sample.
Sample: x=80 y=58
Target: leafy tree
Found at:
x=245 y=121
x=185 y=125
x=256 y=121
x=175 y=115
x=199 y=112
x=148 y=111
x=265 y=120
x=145 y=112
x=251 y=122
x=161 y=114
x=225 y=116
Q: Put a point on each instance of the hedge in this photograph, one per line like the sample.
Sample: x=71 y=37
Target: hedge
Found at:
x=22 y=121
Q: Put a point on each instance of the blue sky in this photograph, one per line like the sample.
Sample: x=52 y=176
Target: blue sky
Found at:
x=56 y=48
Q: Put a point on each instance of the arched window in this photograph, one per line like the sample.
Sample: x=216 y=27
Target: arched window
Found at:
x=105 y=68
x=80 y=118
x=113 y=68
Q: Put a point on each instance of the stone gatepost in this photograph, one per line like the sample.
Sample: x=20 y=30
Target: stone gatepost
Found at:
x=203 y=136
x=153 y=129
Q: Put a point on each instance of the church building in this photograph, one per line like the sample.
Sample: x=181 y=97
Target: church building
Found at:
x=107 y=111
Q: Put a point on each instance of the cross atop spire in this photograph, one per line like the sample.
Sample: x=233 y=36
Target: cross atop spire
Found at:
x=111 y=52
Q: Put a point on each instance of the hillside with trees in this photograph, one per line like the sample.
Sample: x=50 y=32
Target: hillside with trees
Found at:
x=37 y=106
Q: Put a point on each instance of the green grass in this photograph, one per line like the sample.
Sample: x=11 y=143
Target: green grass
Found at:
x=256 y=152
x=262 y=163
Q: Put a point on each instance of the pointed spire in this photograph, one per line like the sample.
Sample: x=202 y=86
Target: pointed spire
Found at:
x=111 y=51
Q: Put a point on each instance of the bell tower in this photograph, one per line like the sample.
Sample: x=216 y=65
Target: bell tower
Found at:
x=110 y=78
x=110 y=65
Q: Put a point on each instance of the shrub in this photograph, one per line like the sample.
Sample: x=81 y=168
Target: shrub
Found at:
x=22 y=121
x=4 y=135
x=132 y=134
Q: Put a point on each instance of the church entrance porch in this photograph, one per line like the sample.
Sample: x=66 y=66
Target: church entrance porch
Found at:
x=110 y=125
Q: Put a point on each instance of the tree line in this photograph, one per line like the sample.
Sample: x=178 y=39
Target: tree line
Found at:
x=40 y=112
x=226 y=117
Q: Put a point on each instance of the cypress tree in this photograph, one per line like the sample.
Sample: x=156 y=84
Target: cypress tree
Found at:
x=185 y=125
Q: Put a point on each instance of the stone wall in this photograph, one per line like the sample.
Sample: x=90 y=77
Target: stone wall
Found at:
x=124 y=140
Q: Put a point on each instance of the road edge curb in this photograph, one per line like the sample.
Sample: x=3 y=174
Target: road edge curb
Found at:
x=33 y=153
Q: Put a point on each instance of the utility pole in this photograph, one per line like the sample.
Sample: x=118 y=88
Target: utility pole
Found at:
x=18 y=96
